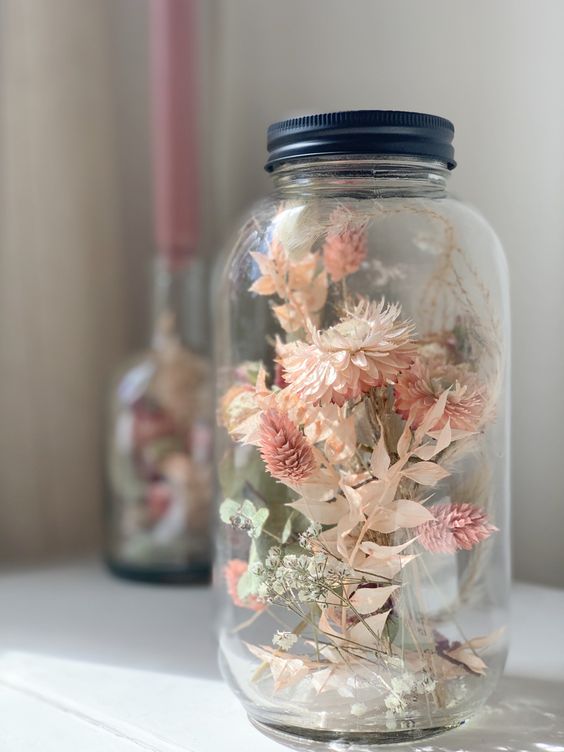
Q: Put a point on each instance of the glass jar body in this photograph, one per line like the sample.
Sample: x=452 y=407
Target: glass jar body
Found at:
x=159 y=457
x=362 y=349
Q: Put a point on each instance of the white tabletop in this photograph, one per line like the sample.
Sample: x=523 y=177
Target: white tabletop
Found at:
x=92 y=664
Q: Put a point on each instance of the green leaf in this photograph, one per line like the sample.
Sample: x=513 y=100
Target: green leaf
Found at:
x=391 y=628
x=248 y=509
x=248 y=482
x=258 y=520
x=287 y=530
x=246 y=585
x=228 y=509
x=231 y=479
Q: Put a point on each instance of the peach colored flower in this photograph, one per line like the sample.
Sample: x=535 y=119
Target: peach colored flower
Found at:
x=368 y=347
x=456 y=526
x=233 y=571
x=299 y=283
x=235 y=406
x=344 y=252
x=419 y=388
x=286 y=452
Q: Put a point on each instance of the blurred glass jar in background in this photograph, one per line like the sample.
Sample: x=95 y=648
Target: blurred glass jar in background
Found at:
x=159 y=460
x=362 y=348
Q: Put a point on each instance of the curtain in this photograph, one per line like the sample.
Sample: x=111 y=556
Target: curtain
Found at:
x=63 y=296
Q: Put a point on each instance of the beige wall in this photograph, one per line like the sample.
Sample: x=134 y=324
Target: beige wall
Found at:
x=494 y=68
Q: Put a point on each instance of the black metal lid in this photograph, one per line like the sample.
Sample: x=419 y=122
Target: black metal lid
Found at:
x=361 y=132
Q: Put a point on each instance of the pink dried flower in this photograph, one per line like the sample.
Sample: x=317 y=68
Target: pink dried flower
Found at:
x=233 y=571
x=455 y=526
x=286 y=452
x=344 y=252
x=279 y=380
x=158 y=499
x=419 y=388
x=151 y=423
x=368 y=347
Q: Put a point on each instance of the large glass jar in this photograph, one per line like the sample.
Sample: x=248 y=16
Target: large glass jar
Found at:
x=362 y=350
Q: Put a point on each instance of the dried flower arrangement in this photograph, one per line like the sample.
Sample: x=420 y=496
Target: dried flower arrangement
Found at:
x=354 y=431
x=160 y=469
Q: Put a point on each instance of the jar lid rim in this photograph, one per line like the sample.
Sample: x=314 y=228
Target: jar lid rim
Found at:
x=385 y=132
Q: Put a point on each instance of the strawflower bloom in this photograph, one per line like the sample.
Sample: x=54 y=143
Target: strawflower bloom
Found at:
x=418 y=389
x=456 y=526
x=367 y=348
x=287 y=454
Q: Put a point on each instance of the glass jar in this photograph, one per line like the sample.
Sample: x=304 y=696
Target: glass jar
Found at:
x=159 y=446
x=362 y=341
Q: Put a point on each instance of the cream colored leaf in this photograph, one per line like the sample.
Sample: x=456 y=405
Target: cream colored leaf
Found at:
x=384 y=569
x=366 y=600
x=445 y=437
x=340 y=444
x=263 y=286
x=320 y=680
x=456 y=434
x=425 y=473
x=425 y=452
x=434 y=414
x=398 y=514
x=405 y=440
x=285 y=669
x=288 y=671
x=349 y=521
x=325 y=625
x=376 y=551
x=384 y=520
x=289 y=319
x=380 y=460
x=321 y=486
x=324 y=512
x=370 y=629
x=486 y=640
x=411 y=513
x=248 y=431
x=468 y=658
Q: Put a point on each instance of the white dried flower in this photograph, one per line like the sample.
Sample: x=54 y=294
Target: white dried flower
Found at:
x=358 y=709
x=425 y=685
x=284 y=640
x=263 y=591
x=394 y=703
x=403 y=684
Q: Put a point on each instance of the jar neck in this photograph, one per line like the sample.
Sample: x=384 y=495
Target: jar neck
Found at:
x=180 y=304
x=362 y=176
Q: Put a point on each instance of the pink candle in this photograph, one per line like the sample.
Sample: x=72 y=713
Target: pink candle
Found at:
x=174 y=121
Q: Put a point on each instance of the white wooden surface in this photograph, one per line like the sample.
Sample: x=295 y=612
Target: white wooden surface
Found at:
x=91 y=664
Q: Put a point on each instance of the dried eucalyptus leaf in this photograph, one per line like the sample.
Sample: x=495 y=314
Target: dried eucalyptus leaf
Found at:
x=229 y=509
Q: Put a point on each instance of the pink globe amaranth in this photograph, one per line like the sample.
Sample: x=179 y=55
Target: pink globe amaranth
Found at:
x=455 y=527
x=285 y=451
